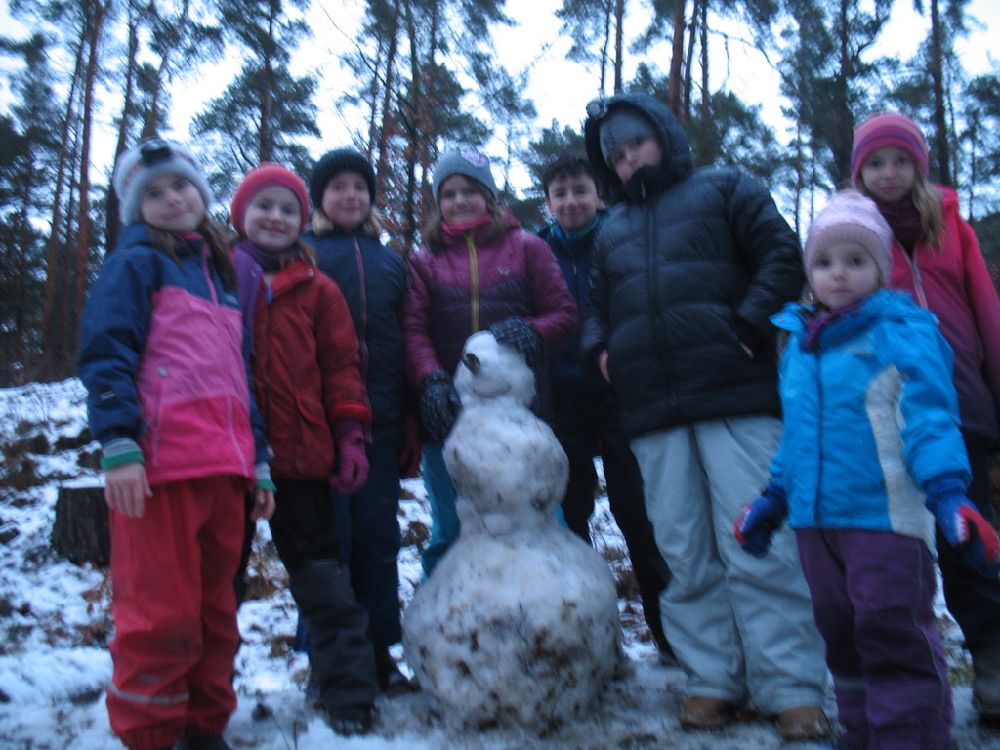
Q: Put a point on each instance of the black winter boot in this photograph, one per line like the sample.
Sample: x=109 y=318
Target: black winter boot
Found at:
x=350 y=720
x=391 y=680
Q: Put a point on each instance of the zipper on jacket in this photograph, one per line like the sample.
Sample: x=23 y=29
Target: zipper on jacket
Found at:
x=363 y=333
x=918 y=282
x=230 y=420
x=654 y=304
x=470 y=242
x=819 y=433
x=208 y=274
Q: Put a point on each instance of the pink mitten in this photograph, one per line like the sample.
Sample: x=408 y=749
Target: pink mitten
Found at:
x=352 y=463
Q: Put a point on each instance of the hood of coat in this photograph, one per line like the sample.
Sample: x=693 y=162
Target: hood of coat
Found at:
x=675 y=166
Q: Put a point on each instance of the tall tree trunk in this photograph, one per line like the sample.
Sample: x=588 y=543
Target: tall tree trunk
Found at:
x=706 y=94
x=111 y=220
x=373 y=101
x=941 y=148
x=412 y=155
x=842 y=119
x=55 y=294
x=619 y=43
x=695 y=34
x=96 y=31
x=608 y=15
x=676 y=61
x=388 y=115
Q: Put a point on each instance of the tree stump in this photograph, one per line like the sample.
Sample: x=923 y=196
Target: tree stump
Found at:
x=80 y=531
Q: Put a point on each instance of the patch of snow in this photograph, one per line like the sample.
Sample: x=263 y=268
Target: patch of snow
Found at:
x=54 y=623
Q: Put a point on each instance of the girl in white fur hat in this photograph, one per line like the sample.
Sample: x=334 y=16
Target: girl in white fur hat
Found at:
x=162 y=356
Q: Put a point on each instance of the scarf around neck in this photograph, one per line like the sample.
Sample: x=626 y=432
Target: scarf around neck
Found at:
x=457 y=230
x=251 y=263
x=903 y=218
x=819 y=320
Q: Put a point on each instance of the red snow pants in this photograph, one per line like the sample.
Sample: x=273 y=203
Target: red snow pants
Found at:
x=175 y=612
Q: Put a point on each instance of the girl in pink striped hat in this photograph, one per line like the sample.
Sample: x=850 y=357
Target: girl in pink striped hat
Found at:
x=936 y=257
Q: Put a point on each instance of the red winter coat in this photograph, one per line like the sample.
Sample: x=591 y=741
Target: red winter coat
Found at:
x=952 y=282
x=306 y=370
x=466 y=287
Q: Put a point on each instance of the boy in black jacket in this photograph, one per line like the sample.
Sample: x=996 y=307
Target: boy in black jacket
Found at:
x=688 y=268
x=585 y=416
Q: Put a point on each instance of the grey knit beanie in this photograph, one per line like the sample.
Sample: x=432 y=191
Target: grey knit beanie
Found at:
x=467 y=162
x=148 y=159
x=852 y=217
x=621 y=126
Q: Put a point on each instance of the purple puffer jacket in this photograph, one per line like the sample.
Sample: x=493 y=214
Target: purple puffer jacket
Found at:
x=953 y=283
x=467 y=287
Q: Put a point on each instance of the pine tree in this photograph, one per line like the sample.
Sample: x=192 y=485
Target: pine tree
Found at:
x=264 y=112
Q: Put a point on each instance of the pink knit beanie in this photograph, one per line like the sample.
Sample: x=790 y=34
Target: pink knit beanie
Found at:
x=256 y=180
x=852 y=217
x=888 y=129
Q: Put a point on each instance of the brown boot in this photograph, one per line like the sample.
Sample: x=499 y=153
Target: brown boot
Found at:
x=704 y=712
x=802 y=723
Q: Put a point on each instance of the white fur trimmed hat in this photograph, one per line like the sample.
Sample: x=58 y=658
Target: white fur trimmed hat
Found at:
x=852 y=217
x=148 y=159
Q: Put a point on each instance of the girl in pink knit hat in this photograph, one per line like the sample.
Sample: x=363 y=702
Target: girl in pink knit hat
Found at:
x=309 y=389
x=871 y=456
x=936 y=257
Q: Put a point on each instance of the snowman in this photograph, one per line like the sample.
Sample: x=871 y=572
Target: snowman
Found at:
x=519 y=623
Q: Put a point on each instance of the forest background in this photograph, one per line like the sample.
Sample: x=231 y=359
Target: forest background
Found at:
x=80 y=80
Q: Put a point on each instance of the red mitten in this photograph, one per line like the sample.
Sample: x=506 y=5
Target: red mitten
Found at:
x=352 y=463
x=409 y=452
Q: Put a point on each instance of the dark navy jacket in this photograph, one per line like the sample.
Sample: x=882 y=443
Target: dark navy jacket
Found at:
x=372 y=278
x=574 y=383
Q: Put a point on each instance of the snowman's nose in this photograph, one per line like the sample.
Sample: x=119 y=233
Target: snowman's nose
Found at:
x=471 y=361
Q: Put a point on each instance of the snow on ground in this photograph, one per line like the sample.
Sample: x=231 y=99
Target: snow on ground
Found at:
x=55 y=625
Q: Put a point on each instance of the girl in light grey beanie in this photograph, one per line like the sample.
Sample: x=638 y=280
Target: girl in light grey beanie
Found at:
x=467 y=162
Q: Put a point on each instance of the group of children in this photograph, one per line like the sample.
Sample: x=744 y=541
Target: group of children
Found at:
x=306 y=366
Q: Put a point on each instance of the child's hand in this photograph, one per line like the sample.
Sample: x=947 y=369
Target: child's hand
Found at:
x=126 y=489
x=963 y=526
x=440 y=404
x=352 y=459
x=758 y=521
x=409 y=451
x=263 y=504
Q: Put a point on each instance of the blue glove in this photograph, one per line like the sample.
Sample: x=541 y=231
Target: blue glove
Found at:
x=963 y=526
x=758 y=521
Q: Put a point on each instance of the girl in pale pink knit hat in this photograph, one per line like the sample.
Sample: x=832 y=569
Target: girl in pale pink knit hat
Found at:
x=871 y=457
x=936 y=257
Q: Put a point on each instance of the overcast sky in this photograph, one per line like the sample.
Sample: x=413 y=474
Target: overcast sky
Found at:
x=559 y=89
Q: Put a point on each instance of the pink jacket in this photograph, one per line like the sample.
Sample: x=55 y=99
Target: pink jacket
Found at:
x=954 y=283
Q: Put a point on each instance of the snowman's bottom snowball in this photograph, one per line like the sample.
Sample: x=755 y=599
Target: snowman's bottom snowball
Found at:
x=520 y=629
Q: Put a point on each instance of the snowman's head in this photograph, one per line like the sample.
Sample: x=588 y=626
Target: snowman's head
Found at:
x=491 y=372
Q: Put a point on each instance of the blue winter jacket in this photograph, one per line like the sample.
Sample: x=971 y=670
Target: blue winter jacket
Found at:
x=870 y=417
x=163 y=357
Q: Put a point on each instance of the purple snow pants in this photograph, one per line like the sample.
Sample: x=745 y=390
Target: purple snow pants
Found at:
x=873 y=596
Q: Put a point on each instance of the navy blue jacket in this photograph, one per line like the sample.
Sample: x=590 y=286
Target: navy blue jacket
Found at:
x=574 y=383
x=372 y=278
